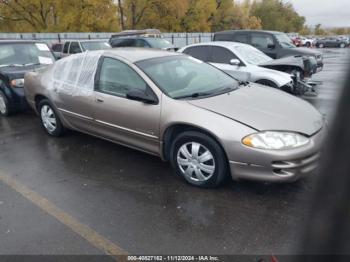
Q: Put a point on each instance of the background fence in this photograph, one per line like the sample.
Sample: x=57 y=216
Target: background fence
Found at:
x=178 y=39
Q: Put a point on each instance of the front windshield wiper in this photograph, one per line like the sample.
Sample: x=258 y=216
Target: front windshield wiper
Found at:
x=20 y=65
x=11 y=65
x=201 y=94
x=194 y=95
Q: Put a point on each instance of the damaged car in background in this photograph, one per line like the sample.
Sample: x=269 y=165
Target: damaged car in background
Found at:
x=17 y=58
x=202 y=120
x=247 y=63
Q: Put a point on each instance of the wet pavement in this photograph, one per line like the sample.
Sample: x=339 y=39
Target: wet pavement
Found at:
x=135 y=201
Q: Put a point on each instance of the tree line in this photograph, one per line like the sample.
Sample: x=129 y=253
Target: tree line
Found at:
x=166 y=15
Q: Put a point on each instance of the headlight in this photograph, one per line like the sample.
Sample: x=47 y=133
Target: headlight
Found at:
x=275 y=140
x=17 y=82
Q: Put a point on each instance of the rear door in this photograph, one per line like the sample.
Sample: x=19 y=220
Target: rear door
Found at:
x=73 y=95
x=118 y=118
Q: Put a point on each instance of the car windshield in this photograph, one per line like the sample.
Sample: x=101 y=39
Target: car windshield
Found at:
x=95 y=45
x=159 y=43
x=252 y=55
x=183 y=77
x=284 y=41
x=23 y=54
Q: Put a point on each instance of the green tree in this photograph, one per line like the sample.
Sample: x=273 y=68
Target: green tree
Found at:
x=55 y=16
x=277 y=15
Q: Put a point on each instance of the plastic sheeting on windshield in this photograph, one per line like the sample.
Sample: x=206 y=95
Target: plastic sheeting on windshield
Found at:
x=74 y=75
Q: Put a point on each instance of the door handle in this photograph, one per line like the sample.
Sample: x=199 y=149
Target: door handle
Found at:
x=99 y=100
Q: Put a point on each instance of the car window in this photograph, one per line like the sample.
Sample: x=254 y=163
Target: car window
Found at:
x=262 y=40
x=57 y=47
x=74 y=48
x=202 y=53
x=66 y=47
x=117 y=78
x=222 y=55
x=141 y=43
x=241 y=38
x=124 y=43
x=223 y=37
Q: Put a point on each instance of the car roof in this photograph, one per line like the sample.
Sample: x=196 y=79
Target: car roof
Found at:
x=135 y=37
x=134 y=55
x=226 y=44
x=248 y=31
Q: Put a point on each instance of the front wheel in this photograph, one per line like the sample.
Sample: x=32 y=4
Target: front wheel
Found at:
x=342 y=45
x=49 y=119
x=321 y=45
x=4 y=105
x=199 y=159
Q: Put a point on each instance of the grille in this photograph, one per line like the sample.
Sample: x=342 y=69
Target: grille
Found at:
x=294 y=167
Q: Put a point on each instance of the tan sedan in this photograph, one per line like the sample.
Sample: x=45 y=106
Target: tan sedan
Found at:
x=207 y=124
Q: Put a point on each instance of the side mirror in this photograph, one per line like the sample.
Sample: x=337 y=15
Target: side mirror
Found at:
x=271 y=46
x=142 y=96
x=235 y=62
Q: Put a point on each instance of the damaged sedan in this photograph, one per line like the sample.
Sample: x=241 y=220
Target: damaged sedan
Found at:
x=247 y=63
x=207 y=124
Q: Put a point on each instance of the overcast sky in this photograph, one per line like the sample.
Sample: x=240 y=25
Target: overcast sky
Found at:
x=329 y=13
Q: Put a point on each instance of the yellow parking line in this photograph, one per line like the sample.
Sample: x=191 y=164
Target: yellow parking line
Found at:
x=84 y=231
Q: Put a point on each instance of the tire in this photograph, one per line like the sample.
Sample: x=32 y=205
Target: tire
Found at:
x=4 y=105
x=49 y=119
x=209 y=172
x=266 y=82
x=321 y=45
x=308 y=44
x=342 y=45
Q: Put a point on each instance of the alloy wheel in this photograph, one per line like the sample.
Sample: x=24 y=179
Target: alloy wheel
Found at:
x=196 y=162
x=48 y=118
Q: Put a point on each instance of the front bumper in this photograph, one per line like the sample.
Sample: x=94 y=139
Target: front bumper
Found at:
x=280 y=166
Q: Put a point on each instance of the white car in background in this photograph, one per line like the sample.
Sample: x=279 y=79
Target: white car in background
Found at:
x=242 y=62
x=308 y=42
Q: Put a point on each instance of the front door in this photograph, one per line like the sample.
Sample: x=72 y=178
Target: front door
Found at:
x=221 y=58
x=120 y=119
x=265 y=43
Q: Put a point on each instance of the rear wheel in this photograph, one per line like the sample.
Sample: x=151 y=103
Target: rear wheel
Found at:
x=308 y=44
x=49 y=119
x=342 y=45
x=321 y=45
x=4 y=105
x=199 y=159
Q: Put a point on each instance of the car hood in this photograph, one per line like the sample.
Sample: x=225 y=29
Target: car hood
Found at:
x=19 y=72
x=285 y=61
x=303 y=51
x=264 y=108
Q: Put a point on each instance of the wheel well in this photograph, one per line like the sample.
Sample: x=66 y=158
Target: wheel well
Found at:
x=267 y=82
x=38 y=99
x=173 y=131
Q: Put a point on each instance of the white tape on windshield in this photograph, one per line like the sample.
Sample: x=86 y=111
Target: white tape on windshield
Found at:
x=45 y=60
x=42 y=47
